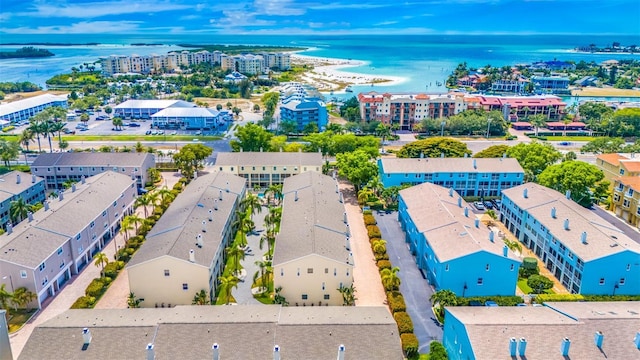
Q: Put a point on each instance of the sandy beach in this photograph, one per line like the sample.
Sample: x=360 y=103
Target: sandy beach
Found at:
x=328 y=74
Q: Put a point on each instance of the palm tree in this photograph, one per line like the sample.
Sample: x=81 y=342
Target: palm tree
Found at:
x=139 y=147
x=22 y=297
x=125 y=226
x=538 y=121
x=278 y=298
x=101 y=260
x=252 y=202
x=364 y=195
x=5 y=297
x=442 y=298
x=19 y=209
x=272 y=220
x=36 y=128
x=132 y=301
x=383 y=131
x=244 y=225
x=275 y=191
x=492 y=215
x=566 y=122
x=143 y=201
x=46 y=127
x=348 y=295
x=25 y=138
x=237 y=253
x=513 y=245
x=135 y=220
x=57 y=127
x=379 y=247
x=526 y=112
x=165 y=195
x=375 y=185
x=117 y=122
x=269 y=237
x=200 y=298
x=390 y=279
x=263 y=265
x=227 y=283
x=154 y=199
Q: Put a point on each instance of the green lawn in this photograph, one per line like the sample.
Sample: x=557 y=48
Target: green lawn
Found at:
x=522 y=285
x=18 y=318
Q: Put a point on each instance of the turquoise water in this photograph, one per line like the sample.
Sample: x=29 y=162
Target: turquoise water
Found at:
x=423 y=59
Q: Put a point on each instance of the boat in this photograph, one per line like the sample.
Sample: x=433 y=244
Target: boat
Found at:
x=348 y=89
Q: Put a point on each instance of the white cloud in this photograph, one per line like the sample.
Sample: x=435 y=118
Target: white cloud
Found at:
x=100 y=8
x=336 y=6
x=278 y=7
x=84 y=27
x=384 y=23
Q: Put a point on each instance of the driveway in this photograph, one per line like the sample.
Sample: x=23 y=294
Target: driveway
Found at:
x=242 y=293
x=617 y=223
x=414 y=287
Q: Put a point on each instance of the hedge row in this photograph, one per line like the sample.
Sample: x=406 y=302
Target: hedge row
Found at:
x=8 y=128
x=541 y=298
x=383 y=264
x=373 y=231
x=396 y=301
x=405 y=325
x=500 y=300
x=369 y=220
x=410 y=345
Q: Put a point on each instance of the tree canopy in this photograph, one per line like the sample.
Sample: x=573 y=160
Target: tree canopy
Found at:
x=604 y=145
x=585 y=181
x=9 y=151
x=434 y=147
x=357 y=167
x=332 y=144
x=189 y=159
x=251 y=137
x=494 y=151
x=534 y=157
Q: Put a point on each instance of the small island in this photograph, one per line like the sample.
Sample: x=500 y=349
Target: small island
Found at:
x=26 y=52
x=615 y=47
x=239 y=49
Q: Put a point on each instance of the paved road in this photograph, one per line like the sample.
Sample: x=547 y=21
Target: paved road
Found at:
x=617 y=223
x=414 y=287
x=242 y=293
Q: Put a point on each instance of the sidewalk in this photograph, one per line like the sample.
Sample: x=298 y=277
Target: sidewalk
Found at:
x=242 y=293
x=366 y=277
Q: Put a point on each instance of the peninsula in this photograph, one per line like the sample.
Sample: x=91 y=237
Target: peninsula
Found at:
x=615 y=47
x=26 y=52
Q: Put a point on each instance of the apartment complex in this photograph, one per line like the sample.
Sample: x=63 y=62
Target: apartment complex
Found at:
x=58 y=168
x=145 y=64
x=312 y=257
x=626 y=199
x=43 y=252
x=218 y=332
x=23 y=110
x=187 y=118
x=550 y=84
x=262 y=169
x=144 y=109
x=467 y=176
x=405 y=110
x=555 y=331
x=16 y=185
x=305 y=112
x=582 y=250
x=615 y=165
x=452 y=247
x=185 y=251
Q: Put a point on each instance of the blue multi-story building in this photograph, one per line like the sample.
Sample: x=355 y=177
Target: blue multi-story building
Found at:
x=550 y=84
x=15 y=185
x=467 y=176
x=305 y=112
x=452 y=247
x=187 y=118
x=583 y=251
x=23 y=110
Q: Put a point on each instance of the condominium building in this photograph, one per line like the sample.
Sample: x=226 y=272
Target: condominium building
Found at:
x=509 y=86
x=550 y=84
x=312 y=258
x=467 y=176
x=218 y=332
x=615 y=165
x=187 y=118
x=144 y=109
x=154 y=63
x=555 y=331
x=23 y=110
x=56 y=242
x=16 y=185
x=305 y=112
x=583 y=251
x=185 y=251
x=520 y=107
x=452 y=247
x=626 y=197
x=262 y=169
x=60 y=168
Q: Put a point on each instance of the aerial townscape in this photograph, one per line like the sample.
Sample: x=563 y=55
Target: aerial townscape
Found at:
x=344 y=181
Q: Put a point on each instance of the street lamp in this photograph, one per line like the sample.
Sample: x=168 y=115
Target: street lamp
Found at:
x=488 y=126
x=10 y=281
x=442 y=128
x=464 y=289
x=615 y=287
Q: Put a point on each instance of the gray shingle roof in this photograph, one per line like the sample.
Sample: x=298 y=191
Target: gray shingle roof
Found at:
x=602 y=238
x=175 y=233
x=490 y=328
x=268 y=159
x=314 y=224
x=242 y=332
x=153 y=104
x=32 y=242
x=10 y=187
x=450 y=233
x=91 y=159
x=448 y=165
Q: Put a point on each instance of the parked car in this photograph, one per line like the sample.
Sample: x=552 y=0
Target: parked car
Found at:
x=134 y=124
x=497 y=203
x=478 y=205
x=68 y=131
x=148 y=132
x=490 y=303
x=174 y=133
x=116 y=129
x=488 y=205
x=198 y=132
x=81 y=126
x=160 y=132
x=154 y=132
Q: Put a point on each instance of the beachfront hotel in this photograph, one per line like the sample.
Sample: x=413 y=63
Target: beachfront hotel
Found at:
x=467 y=176
x=217 y=332
x=145 y=64
x=184 y=253
x=582 y=250
x=452 y=247
x=16 y=185
x=23 y=110
x=312 y=257
x=555 y=331
x=406 y=110
x=263 y=169
x=56 y=242
x=59 y=168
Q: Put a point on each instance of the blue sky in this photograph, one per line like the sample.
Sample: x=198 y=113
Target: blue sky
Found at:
x=291 y=17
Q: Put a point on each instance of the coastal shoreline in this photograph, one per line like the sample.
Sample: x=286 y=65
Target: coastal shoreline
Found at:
x=329 y=74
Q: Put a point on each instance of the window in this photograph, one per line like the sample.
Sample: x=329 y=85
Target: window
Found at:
x=42 y=266
x=630 y=192
x=185 y=286
x=628 y=267
x=115 y=203
x=220 y=168
x=601 y=281
x=326 y=296
x=62 y=264
x=104 y=213
x=78 y=237
x=621 y=171
x=60 y=251
x=80 y=249
x=106 y=225
x=305 y=296
x=487 y=267
x=45 y=281
x=480 y=281
x=93 y=223
x=309 y=270
x=512 y=267
x=242 y=168
x=166 y=273
x=446 y=267
x=326 y=270
x=23 y=274
x=616 y=197
x=626 y=203
x=621 y=282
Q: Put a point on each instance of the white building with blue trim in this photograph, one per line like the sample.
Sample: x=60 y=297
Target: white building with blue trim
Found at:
x=187 y=118
x=23 y=110
x=452 y=247
x=585 y=252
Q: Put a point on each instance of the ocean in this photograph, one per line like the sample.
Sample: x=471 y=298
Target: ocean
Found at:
x=424 y=60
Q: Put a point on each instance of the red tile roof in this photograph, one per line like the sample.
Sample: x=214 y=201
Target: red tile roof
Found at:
x=631 y=181
x=631 y=165
x=613 y=159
